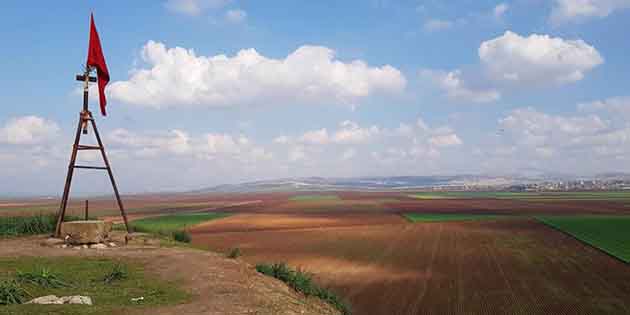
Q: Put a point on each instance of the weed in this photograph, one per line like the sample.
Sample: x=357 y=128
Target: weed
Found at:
x=302 y=282
x=182 y=236
x=44 y=278
x=11 y=292
x=117 y=273
x=235 y=253
x=37 y=224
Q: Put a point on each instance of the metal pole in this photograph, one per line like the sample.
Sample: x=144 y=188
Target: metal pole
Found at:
x=66 y=189
x=86 y=211
x=111 y=175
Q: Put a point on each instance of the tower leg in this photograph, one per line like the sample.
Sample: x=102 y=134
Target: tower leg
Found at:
x=66 y=190
x=111 y=175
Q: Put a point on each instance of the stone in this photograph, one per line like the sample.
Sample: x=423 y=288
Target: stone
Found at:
x=111 y=244
x=48 y=299
x=86 y=232
x=77 y=299
x=98 y=246
x=52 y=242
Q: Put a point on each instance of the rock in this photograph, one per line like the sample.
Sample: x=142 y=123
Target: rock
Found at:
x=48 y=299
x=86 y=232
x=77 y=299
x=85 y=246
x=111 y=244
x=53 y=299
x=98 y=246
x=52 y=242
x=64 y=246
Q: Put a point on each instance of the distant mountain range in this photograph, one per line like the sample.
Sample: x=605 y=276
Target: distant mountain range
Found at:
x=400 y=182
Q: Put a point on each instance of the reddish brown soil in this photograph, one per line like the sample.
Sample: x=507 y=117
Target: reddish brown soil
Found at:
x=384 y=265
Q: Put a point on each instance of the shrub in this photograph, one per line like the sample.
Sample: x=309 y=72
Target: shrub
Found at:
x=11 y=292
x=182 y=236
x=302 y=282
x=44 y=278
x=235 y=253
x=37 y=224
x=118 y=272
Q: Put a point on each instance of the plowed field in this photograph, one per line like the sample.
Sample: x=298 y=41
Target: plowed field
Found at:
x=383 y=264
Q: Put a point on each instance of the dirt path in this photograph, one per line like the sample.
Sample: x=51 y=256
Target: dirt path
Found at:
x=218 y=285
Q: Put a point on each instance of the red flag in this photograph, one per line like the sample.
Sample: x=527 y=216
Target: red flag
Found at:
x=96 y=59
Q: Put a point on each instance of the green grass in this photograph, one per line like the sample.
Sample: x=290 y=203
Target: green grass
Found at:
x=84 y=276
x=611 y=234
x=167 y=224
x=31 y=225
x=529 y=196
x=302 y=282
x=314 y=198
x=438 y=217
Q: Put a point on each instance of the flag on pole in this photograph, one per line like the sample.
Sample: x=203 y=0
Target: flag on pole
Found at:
x=96 y=59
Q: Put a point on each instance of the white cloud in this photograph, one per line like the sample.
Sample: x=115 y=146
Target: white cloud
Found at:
x=194 y=7
x=538 y=59
x=351 y=132
x=565 y=11
x=235 y=16
x=282 y=140
x=315 y=137
x=296 y=154
x=445 y=140
x=614 y=105
x=28 y=130
x=500 y=10
x=310 y=74
x=434 y=25
x=457 y=89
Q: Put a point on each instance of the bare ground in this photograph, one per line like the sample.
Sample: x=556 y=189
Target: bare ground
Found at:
x=218 y=285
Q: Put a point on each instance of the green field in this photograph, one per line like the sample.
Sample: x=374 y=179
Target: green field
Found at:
x=428 y=217
x=86 y=276
x=314 y=198
x=608 y=233
x=166 y=224
x=529 y=196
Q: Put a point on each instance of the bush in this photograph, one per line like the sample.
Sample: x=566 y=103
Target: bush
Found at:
x=11 y=292
x=302 y=282
x=44 y=278
x=118 y=272
x=235 y=253
x=182 y=236
x=37 y=224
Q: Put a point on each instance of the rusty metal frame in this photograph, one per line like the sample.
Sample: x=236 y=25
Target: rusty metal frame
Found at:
x=86 y=117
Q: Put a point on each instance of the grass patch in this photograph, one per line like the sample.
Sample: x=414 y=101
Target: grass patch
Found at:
x=12 y=293
x=314 y=198
x=31 y=225
x=235 y=253
x=302 y=282
x=608 y=233
x=86 y=275
x=429 y=217
x=117 y=273
x=43 y=277
x=174 y=225
x=528 y=196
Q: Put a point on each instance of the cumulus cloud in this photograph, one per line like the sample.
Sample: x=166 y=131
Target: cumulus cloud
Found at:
x=315 y=137
x=445 y=140
x=28 y=130
x=538 y=59
x=194 y=7
x=235 y=16
x=615 y=105
x=351 y=132
x=564 y=11
x=457 y=89
x=310 y=74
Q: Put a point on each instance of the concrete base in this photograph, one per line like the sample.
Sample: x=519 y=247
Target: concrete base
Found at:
x=85 y=232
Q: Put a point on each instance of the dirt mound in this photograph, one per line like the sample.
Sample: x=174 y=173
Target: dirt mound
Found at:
x=218 y=285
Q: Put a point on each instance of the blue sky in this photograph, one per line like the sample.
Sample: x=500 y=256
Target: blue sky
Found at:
x=206 y=92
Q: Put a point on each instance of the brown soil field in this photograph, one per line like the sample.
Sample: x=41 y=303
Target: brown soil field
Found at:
x=384 y=265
